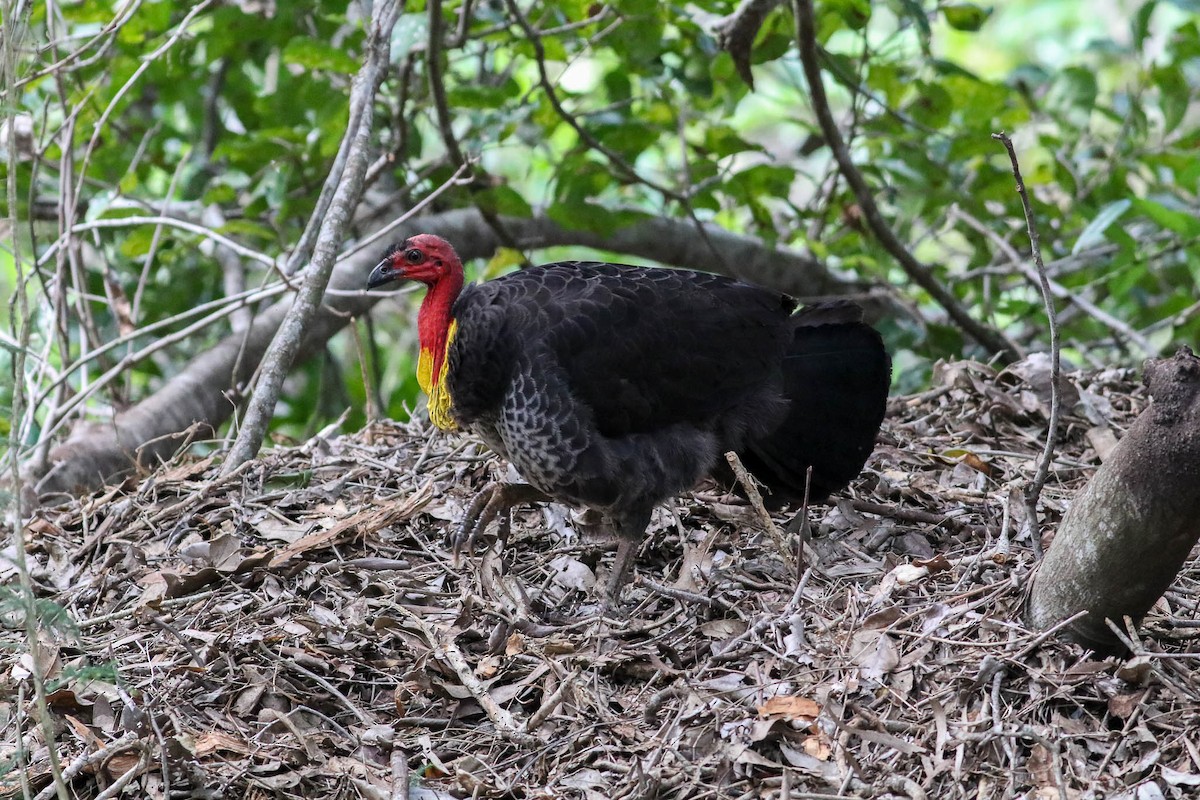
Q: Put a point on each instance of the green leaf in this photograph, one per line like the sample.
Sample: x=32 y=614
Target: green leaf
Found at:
x=1075 y=88
x=721 y=140
x=475 y=96
x=1093 y=234
x=1180 y=222
x=137 y=243
x=247 y=229
x=1175 y=92
x=316 y=54
x=628 y=139
x=916 y=13
x=1141 y=23
x=966 y=16
x=410 y=31
x=855 y=13
x=584 y=216
x=763 y=179
x=640 y=38
x=503 y=200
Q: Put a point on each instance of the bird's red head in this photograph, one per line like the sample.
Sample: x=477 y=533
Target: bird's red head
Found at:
x=425 y=258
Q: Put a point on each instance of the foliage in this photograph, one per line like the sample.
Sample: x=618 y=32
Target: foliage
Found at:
x=229 y=116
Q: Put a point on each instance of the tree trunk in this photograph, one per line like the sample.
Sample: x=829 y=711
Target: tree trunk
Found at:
x=1126 y=535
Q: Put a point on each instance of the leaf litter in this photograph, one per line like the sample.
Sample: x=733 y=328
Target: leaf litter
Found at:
x=301 y=629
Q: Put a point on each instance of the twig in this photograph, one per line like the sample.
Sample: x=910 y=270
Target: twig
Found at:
x=118 y=786
x=92 y=622
x=1046 y=634
x=15 y=28
x=921 y=274
x=1034 y=491
x=90 y=759
x=918 y=515
x=326 y=685
x=399 y=774
x=760 y=509
x=550 y=703
x=174 y=222
x=682 y=595
x=1115 y=325
x=448 y=651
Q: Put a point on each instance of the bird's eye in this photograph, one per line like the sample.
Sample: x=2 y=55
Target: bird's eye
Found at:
x=414 y=256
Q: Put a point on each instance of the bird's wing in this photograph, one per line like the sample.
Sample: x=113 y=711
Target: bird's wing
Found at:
x=641 y=348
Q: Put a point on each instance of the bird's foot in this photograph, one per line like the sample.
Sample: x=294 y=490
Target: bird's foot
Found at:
x=494 y=500
x=619 y=576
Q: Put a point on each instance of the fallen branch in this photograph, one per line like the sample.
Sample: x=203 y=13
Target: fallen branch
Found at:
x=447 y=651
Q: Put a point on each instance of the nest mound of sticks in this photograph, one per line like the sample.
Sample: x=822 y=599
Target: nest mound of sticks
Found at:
x=301 y=629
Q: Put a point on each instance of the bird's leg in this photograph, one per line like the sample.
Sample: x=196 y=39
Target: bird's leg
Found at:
x=630 y=528
x=493 y=500
x=626 y=550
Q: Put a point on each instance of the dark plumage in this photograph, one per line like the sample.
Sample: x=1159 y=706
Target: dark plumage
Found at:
x=613 y=387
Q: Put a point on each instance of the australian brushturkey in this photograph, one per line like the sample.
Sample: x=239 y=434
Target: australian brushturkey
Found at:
x=613 y=388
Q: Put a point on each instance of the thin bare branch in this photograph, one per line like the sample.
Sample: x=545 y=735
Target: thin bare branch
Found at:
x=12 y=35
x=1034 y=491
x=173 y=222
x=1120 y=329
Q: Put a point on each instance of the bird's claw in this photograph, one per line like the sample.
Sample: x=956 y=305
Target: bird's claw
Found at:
x=494 y=500
x=479 y=514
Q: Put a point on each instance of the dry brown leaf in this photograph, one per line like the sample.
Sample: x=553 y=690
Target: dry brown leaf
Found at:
x=219 y=741
x=790 y=707
x=1122 y=706
x=514 y=644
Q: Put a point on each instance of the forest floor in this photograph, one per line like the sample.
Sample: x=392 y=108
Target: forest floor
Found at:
x=300 y=629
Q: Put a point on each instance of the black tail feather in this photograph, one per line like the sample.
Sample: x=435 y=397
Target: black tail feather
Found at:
x=836 y=375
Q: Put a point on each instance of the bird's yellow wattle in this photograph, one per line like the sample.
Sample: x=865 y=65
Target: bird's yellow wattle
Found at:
x=440 y=401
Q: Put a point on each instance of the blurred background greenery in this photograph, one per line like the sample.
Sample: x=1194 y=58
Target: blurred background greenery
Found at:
x=229 y=116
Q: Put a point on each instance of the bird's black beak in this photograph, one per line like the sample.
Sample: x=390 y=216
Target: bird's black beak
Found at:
x=384 y=272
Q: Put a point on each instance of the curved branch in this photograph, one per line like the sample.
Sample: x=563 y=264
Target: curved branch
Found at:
x=920 y=273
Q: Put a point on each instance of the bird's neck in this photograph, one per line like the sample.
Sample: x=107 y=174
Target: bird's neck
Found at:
x=433 y=330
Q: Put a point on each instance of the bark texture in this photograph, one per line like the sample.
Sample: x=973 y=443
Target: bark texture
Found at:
x=1125 y=537
x=203 y=394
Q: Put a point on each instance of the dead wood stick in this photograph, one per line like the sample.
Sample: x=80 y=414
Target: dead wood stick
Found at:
x=550 y=703
x=760 y=509
x=89 y=759
x=446 y=650
x=399 y=775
